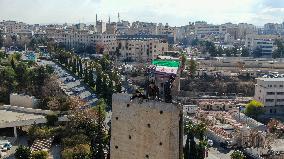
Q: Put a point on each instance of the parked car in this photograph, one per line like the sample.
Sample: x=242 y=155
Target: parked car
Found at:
x=226 y=145
x=5 y=145
x=8 y=146
x=210 y=143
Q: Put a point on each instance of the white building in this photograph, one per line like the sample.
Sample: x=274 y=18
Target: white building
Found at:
x=13 y=27
x=264 y=42
x=141 y=49
x=270 y=91
x=78 y=38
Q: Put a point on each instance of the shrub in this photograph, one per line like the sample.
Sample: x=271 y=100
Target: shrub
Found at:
x=75 y=140
x=51 y=119
x=39 y=155
x=81 y=151
x=23 y=152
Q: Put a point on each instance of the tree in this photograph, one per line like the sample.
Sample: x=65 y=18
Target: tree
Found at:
x=220 y=51
x=234 y=51
x=39 y=155
x=23 y=152
x=228 y=52
x=192 y=66
x=210 y=48
x=279 y=52
x=91 y=78
x=253 y=109
x=51 y=119
x=1 y=40
x=80 y=73
x=194 y=42
x=257 y=52
x=81 y=151
x=237 y=155
x=245 y=52
x=191 y=150
x=98 y=143
x=21 y=71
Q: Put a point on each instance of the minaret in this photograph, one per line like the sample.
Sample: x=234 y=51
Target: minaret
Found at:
x=96 y=18
x=118 y=16
x=109 y=19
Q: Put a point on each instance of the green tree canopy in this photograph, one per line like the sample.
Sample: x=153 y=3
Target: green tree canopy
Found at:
x=237 y=155
x=23 y=152
x=253 y=109
x=39 y=155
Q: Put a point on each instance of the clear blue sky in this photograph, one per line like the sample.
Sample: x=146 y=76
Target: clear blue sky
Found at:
x=175 y=12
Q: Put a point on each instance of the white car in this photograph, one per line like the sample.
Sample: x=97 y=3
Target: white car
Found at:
x=210 y=143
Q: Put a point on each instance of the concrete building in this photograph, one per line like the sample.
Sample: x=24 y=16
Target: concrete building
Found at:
x=145 y=129
x=263 y=42
x=23 y=100
x=169 y=31
x=101 y=27
x=136 y=48
x=13 y=27
x=245 y=29
x=143 y=28
x=270 y=91
x=74 y=39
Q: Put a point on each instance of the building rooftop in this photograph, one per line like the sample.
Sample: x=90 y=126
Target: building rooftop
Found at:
x=271 y=79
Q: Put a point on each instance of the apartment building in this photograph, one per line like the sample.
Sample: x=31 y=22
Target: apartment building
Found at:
x=171 y=32
x=74 y=39
x=140 y=49
x=143 y=28
x=264 y=42
x=101 y=27
x=245 y=29
x=270 y=91
x=202 y=28
x=13 y=27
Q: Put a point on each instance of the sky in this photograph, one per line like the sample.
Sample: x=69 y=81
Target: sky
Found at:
x=174 y=12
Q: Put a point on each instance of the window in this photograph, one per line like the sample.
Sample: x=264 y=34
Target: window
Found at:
x=116 y=147
x=116 y=118
x=269 y=85
x=281 y=86
x=280 y=100
x=161 y=112
x=149 y=125
x=270 y=93
x=147 y=156
x=280 y=93
x=269 y=100
x=129 y=137
x=127 y=105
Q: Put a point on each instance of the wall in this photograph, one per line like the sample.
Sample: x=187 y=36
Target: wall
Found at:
x=144 y=130
x=22 y=100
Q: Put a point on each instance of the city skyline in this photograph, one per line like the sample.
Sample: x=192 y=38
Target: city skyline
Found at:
x=176 y=13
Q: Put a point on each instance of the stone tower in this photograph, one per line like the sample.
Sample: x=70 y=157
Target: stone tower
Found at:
x=144 y=129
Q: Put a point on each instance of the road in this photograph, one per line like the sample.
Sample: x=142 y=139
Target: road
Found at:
x=70 y=84
x=219 y=153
